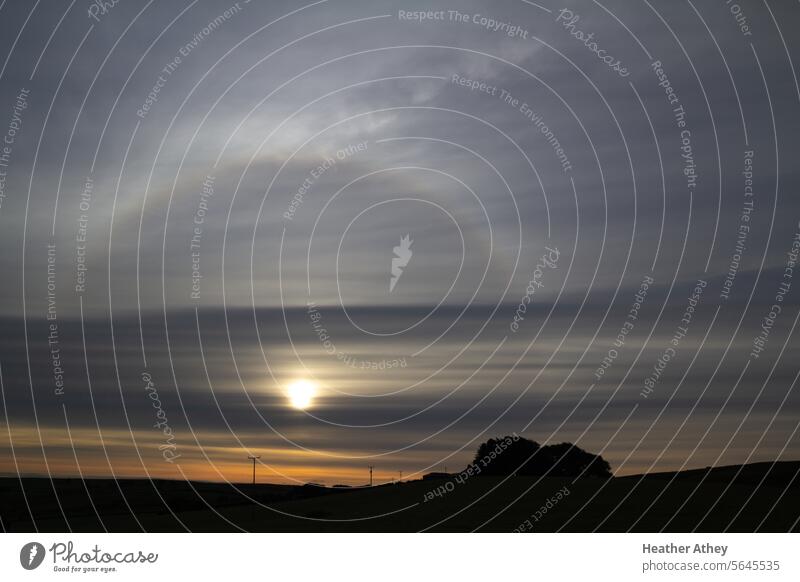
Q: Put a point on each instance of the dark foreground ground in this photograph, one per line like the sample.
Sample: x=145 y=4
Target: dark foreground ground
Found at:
x=763 y=497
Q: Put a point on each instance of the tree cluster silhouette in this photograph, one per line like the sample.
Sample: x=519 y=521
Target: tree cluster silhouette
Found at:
x=521 y=456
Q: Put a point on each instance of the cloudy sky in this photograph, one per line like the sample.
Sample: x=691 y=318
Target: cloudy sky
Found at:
x=201 y=203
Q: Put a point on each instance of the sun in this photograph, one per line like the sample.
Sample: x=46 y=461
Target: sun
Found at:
x=301 y=394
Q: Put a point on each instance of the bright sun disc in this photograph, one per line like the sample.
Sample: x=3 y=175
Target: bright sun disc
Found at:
x=301 y=394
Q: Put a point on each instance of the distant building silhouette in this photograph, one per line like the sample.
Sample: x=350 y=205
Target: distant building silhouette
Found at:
x=436 y=475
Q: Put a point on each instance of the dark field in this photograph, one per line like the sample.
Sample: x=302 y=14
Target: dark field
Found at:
x=762 y=497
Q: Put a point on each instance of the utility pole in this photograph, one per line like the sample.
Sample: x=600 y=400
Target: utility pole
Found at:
x=370 y=475
x=253 y=458
x=401 y=475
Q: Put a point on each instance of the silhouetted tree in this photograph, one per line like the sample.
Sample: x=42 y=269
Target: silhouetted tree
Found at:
x=504 y=456
x=520 y=456
x=568 y=460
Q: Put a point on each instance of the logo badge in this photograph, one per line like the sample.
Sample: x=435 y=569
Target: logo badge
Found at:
x=400 y=260
x=31 y=555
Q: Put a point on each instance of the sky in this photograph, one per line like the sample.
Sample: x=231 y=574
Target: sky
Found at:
x=203 y=203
